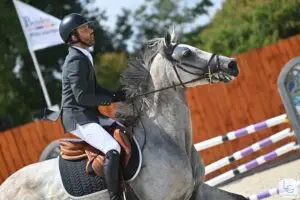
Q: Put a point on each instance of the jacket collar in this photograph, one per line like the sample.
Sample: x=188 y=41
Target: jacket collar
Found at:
x=73 y=50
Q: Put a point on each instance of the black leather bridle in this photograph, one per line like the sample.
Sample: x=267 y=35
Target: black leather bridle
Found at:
x=176 y=64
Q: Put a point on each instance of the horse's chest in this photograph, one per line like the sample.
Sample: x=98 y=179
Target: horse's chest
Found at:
x=166 y=175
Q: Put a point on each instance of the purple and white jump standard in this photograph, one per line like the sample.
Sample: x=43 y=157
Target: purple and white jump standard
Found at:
x=252 y=164
x=267 y=193
x=248 y=150
x=241 y=132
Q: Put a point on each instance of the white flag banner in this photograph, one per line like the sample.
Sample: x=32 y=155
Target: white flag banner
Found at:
x=40 y=28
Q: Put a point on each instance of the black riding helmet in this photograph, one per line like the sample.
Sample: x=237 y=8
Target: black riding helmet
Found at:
x=70 y=22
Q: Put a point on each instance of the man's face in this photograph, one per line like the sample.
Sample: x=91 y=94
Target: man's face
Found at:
x=86 y=34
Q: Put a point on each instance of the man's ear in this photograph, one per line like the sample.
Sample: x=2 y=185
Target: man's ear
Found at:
x=73 y=38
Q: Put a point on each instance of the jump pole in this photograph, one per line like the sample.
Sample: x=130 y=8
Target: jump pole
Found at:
x=248 y=150
x=241 y=132
x=253 y=164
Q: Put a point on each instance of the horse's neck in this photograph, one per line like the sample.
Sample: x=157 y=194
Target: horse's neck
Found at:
x=169 y=115
x=168 y=112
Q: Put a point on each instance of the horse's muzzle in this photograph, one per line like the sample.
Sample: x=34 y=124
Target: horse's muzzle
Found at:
x=232 y=69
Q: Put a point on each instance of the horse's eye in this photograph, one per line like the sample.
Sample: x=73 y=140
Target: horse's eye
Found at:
x=187 y=53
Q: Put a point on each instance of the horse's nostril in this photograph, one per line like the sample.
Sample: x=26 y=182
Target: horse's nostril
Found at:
x=232 y=65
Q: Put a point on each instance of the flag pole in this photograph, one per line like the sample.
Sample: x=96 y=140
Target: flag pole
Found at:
x=35 y=62
x=41 y=79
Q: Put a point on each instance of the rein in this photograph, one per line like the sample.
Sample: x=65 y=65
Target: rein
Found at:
x=175 y=65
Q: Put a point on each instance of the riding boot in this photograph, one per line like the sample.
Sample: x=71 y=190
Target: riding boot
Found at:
x=111 y=174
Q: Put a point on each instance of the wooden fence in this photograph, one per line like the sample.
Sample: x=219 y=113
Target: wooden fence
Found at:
x=215 y=109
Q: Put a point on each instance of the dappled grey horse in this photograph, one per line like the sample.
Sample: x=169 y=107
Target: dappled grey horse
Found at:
x=158 y=115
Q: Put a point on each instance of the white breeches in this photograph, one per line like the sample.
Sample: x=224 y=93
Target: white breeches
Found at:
x=97 y=136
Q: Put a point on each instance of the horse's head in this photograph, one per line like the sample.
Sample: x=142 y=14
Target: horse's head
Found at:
x=189 y=66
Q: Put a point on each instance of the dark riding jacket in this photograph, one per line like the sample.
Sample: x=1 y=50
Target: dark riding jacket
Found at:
x=81 y=94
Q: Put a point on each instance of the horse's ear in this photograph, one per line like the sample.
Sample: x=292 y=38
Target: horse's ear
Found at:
x=167 y=40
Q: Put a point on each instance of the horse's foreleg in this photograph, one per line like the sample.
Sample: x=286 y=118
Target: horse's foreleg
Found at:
x=206 y=192
x=203 y=191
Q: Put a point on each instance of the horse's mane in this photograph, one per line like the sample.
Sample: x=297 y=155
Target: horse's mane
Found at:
x=136 y=77
x=135 y=81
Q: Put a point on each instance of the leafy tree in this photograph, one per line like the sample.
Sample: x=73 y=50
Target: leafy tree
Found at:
x=111 y=63
x=123 y=31
x=154 y=17
x=108 y=68
x=254 y=24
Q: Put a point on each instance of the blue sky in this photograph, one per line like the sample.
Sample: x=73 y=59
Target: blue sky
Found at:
x=113 y=8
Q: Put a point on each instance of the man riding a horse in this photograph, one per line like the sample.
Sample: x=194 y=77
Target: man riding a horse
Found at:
x=163 y=163
x=82 y=95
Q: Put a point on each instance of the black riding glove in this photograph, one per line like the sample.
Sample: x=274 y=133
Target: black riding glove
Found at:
x=119 y=96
